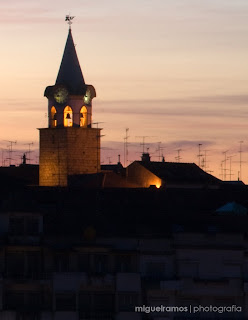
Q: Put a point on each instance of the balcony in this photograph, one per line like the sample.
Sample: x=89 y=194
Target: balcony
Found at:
x=21 y=240
x=26 y=276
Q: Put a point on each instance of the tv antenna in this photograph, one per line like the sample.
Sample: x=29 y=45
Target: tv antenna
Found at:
x=29 y=151
x=178 y=158
x=240 y=159
x=126 y=147
x=159 y=149
x=199 y=154
x=97 y=123
x=10 y=150
x=143 y=144
x=221 y=170
x=205 y=161
x=230 y=165
x=109 y=160
x=224 y=161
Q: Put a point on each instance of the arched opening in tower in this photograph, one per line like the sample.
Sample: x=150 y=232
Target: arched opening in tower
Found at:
x=53 y=117
x=83 y=117
x=68 y=117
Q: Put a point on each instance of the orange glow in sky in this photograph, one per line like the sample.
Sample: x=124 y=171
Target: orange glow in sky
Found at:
x=173 y=71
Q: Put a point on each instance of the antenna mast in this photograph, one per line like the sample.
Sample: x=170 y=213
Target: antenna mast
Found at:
x=225 y=152
x=199 y=154
x=126 y=147
x=230 y=166
x=10 y=150
x=143 y=142
x=205 y=161
x=178 y=158
x=160 y=155
x=240 y=158
x=109 y=160
x=29 y=151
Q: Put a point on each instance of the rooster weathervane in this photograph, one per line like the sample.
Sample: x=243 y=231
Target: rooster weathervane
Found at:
x=69 y=18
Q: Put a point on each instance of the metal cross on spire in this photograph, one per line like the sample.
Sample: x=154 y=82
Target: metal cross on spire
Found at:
x=69 y=18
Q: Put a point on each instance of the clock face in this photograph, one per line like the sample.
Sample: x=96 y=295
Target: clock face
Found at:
x=87 y=97
x=61 y=95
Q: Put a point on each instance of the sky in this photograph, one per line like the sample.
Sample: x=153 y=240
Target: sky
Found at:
x=174 y=72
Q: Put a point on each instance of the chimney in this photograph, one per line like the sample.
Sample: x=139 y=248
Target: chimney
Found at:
x=145 y=157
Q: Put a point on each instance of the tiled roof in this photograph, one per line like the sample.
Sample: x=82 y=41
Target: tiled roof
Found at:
x=70 y=73
x=176 y=171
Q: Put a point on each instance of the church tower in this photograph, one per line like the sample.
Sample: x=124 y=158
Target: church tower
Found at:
x=69 y=145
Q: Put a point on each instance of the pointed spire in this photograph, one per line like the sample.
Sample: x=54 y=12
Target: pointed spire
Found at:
x=70 y=73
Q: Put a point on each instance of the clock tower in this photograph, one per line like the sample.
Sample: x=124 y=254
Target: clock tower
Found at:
x=69 y=145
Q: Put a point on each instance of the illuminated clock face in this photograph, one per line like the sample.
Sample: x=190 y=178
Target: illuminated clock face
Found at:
x=87 y=97
x=61 y=95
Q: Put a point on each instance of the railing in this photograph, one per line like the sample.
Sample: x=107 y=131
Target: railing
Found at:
x=24 y=239
x=27 y=275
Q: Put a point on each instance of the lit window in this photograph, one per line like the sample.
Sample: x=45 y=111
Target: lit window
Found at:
x=68 y=121
x=83 y=117
x=53 y=117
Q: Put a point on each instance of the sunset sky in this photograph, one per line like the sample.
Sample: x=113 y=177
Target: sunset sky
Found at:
x=174 y=71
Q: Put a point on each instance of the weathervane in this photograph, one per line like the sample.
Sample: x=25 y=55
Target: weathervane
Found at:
x=69 y=18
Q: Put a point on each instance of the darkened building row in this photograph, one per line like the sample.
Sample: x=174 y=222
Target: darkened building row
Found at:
x=125 y=248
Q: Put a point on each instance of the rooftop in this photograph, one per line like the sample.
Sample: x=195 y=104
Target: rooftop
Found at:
x=178 y=172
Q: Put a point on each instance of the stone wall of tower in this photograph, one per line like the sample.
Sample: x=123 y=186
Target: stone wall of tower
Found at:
x=68 y=151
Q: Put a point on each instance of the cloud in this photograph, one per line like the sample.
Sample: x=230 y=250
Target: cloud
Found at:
x=135 y=147
x=223 y=106
x=188 y=144
x=15 y=105
x=24 y=14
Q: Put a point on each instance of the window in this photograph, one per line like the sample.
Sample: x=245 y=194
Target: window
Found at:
x=103 y=302
x=68 y=117
x=13 y=300
x=61 y=262
x=33 y=263
x=23 y=264
x=32 y=225
x=155 y=270
x=125 y=263
x=188 y=269
x=127 y=301
x=96 y=302
x=65 y=302
x=84 y=301
x=83 y=117
x=84 y=262
x=100 y=263
x=23 y=225
x=15 y=264
x=21 y=300
x=53 y=119
x=16 y=225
